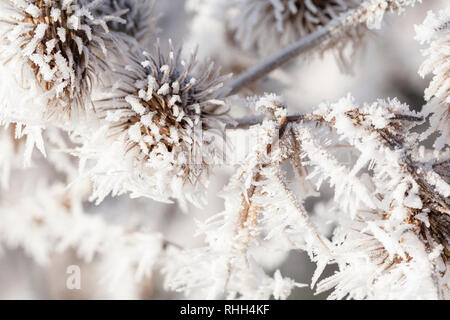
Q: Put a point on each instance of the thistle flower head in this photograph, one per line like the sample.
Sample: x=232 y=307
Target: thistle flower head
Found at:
x=166 y=112
x=162 y=100
x=60 y=45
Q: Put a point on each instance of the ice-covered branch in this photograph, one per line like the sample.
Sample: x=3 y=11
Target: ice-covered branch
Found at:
x=277 y=60
x=369 y=12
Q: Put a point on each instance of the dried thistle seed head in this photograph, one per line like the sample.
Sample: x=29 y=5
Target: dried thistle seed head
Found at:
x=61 y=43
x=140 y=16
x=168 y=115
x=163 y=99
x=267 y=24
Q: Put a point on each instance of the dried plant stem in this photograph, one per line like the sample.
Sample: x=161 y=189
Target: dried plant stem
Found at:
x=278 y=59
x=245 y=123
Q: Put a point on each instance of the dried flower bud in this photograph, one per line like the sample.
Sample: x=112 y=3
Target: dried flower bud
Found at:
x=164 y=115
x=56 y=49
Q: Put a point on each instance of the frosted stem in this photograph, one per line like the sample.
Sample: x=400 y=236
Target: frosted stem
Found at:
x=278 y=59
x=245 y=123
x=335 y=28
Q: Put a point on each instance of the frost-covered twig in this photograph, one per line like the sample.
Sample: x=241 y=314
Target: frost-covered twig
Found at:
x=369 y=12
x=277 y=60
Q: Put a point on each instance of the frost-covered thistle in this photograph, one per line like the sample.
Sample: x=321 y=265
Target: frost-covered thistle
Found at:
x=436 y=31
x=165 y=115
x=268 y=24
x=141 y=20
x=57 y=51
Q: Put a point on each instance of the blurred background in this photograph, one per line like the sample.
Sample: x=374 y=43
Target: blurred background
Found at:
x=385 y=66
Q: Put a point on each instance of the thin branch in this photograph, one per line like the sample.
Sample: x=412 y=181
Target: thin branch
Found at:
x=248 y=212
x=278 y=59
x=247 y=122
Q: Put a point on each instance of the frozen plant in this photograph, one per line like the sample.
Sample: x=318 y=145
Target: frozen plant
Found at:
x=165 y=119
x=359 y=187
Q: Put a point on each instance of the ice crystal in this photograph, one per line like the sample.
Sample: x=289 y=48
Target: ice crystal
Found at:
x=263 y=26
x=392 y=224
